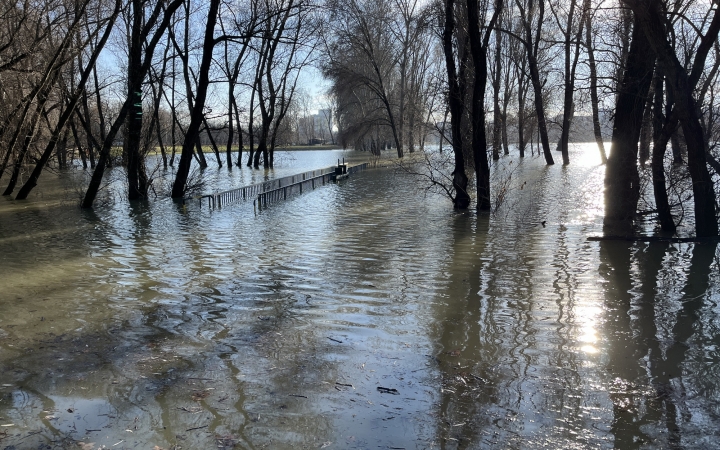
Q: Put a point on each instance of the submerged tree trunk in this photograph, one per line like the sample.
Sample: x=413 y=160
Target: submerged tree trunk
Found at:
x=652 y=24
x=191 y=135
x=571 y=60
x=478 y=47
x=646 y=130
x=622 y=182
x=594 y=100
x=497 y=115
x=136 y=177
x=531 y=45
x=662 y=129
x=455 y=103
x=168 y=11
x=69 y=110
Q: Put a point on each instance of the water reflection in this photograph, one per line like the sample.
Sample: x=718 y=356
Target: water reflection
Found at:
x=359 y=315
x=648 y=342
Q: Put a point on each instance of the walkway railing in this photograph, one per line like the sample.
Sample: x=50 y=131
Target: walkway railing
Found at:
x=277 y=189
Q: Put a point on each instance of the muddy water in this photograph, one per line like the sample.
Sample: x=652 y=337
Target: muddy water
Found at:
x=359 y=315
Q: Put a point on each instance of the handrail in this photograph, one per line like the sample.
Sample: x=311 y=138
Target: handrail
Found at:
x=269 y=190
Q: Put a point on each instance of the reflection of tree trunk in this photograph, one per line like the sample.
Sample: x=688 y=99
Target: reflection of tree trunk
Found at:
x=686 y=326
x=622 y=182
x=650 y=263
x=694 y=295
x=624 y=349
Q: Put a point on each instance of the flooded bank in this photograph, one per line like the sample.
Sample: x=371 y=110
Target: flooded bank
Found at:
x=358 y=315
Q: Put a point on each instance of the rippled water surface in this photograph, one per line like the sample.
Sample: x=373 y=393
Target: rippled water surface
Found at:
x=358 y=315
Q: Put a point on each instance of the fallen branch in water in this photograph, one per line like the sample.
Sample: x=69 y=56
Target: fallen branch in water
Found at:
x=384 y=390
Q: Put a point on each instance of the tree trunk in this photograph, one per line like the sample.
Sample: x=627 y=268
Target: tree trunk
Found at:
x=478 y=47
x=646 y=130
x=231 y=127
x=570 y=64
x=652 y=24
x=531 y=46
x=594 y=100
x=213 y=144
x=134 y=122
x=674 y=139
x=69 y=110
x=622 y=182
x=455 y=102
x=497 y=114
x=196 y=118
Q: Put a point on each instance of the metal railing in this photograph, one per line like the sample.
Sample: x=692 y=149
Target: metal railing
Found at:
x=282 y=193
x=274 y=190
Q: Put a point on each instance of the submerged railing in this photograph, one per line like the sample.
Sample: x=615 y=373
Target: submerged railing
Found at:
x=280 y=188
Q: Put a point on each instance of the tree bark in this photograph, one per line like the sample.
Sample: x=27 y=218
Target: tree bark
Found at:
x=531 y=45
x=594 y=100
x=150 y=25
x=191 y=136
x=651 y=21
x=478 y=48
x=69 y=110
x=455 y=102
x=622 y=182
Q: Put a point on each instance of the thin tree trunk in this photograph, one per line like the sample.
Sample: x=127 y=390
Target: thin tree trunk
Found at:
x=646 y=130
x=213 y=144
x=191 y=136
x=497 y=114
x=531 y=45
x=594 y=100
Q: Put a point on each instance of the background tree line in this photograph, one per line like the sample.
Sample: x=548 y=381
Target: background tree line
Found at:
x=84 y=77
x=487 y=73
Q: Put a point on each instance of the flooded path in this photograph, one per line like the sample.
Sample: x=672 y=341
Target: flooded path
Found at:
x=359 y=315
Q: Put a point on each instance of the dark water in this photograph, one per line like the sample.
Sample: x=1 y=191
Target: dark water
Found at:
x=146 y=325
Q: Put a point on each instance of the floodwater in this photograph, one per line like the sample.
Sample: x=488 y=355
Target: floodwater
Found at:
x=359 y=315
